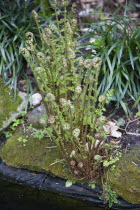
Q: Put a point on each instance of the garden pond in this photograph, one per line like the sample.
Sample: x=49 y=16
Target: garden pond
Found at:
x=16 y=197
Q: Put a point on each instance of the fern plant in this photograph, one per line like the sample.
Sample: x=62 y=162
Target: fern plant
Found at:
x=74 y=109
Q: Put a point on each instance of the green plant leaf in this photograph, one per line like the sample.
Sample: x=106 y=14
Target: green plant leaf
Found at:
x=138 y=114
x=68 y=183
x=92 y=185
x=121 y=122
x=131 y=57
x=105 y=163
x=136 y=102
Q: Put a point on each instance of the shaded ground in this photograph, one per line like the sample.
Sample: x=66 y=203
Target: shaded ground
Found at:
x=132 y=7
x=130 y=130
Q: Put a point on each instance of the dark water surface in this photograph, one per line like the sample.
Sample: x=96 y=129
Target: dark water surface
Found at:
x=16 y=197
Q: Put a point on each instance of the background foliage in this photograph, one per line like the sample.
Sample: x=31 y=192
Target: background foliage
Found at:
x=116 y=41
x=15 y=20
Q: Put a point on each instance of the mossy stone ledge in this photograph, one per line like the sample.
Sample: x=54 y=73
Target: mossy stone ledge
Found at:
x=37 y=155
x=43 y=156
x=125 y=179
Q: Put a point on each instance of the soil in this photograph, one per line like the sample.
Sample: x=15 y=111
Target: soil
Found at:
x=130 y=130
x=132 y=7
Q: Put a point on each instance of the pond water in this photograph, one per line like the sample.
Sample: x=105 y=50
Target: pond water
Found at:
x=16 y=197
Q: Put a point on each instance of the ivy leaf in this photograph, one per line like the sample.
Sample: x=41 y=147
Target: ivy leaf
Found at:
x=106 y=163
x=23 y=113
x=68 y=183
x=24 y=140
x=19 y=139
x=121 y=122
x=92 y=185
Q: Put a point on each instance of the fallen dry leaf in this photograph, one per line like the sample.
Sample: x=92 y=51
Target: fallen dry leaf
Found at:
x=86 y=1
x=112 y=129
x=121 y=1
x=115 y=133
x=133 y=15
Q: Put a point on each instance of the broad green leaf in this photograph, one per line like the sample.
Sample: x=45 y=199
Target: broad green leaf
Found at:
x=68 y=183
x=105 y=163
x=121 y=122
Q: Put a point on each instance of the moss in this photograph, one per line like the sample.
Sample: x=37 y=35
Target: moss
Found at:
x=125 y=180
x=34 y=156
x=7 y=103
